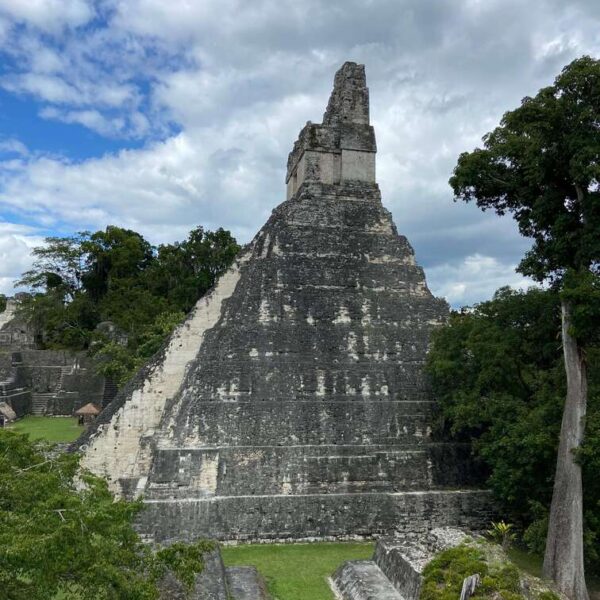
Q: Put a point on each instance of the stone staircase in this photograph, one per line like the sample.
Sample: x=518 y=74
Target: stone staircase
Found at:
x=218 y=583
x=364 y=580
x=39 y=403
x=395 y=571
x=110 y=391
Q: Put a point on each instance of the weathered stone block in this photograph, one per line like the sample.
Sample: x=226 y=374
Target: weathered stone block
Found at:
x=246 y=583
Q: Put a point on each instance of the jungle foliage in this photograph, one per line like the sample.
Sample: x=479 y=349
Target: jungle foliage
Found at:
x=115 y=275
x=497 y=372
x=444 y=576
x=63 y=535
x=541 y=165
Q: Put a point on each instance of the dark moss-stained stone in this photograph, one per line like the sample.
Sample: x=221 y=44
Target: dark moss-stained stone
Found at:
x=292 y=403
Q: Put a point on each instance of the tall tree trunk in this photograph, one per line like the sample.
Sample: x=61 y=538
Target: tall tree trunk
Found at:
x=563 y=561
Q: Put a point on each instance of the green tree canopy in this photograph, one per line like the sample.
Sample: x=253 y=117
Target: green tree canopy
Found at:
x=542 y=165
x=63 y=535
x=497 y=373
x=115 y=275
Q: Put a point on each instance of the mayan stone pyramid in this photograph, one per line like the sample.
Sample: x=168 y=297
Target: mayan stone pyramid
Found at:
x=292 y=402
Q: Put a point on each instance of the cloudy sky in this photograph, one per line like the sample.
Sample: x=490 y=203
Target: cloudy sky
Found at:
x=159 y=116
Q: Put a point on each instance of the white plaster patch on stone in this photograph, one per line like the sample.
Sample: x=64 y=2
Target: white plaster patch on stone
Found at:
x=253 y=353
x=264 y=312
x=365 y=389
x=278 y=282
x=320 y=383
x=276 y=250
x=265 y=247
x=116 y=450
x=325 y=286
x=251 y=458
x=435 y=322
x=366 y=312
x=384 y=226
x=343 y=316
x=358 y=165
x=384 y=390
x=352 y=344
x=429 y=471
x=310 y=320
x=8 y=313
x=419 y=289
x=386 y=259
x=205 y=481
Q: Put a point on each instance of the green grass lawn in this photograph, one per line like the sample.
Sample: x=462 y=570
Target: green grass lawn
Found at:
x=53 y=429
x=297 y=571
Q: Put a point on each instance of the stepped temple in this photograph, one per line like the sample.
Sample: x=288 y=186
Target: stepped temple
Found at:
x=292 y=402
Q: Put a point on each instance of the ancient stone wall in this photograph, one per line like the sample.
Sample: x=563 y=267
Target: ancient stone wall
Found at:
x=292 y=403
x=120 y=446
x=14 y=333
x=49 y=382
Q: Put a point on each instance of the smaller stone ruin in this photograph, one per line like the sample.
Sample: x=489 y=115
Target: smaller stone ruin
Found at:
x=44 y=382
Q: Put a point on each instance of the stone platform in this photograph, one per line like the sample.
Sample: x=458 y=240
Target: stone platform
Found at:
x=395 y=571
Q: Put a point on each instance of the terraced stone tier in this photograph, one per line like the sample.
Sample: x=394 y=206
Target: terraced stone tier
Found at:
x=363 y=580
x=279 y=517
x=260 y=470
x=301 y=422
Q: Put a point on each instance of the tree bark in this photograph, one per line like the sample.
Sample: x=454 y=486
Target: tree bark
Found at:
x=563 y=560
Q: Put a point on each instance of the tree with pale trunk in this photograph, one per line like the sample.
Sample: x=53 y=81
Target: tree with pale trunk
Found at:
x=542 y=166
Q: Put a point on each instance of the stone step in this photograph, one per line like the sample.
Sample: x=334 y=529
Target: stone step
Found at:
x=403 y=559
x=245 y=583
x=402 y=565
x=231 y=471
x=230 y=423
x=321 y=516
x=363 y=580
x=39 y=403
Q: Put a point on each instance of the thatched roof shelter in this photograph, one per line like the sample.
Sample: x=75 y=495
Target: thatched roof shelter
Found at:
x=87 y=413
x=7 y=413
x=88 y=409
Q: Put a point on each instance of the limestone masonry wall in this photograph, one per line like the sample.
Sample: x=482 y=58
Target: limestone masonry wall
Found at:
x=118 y=447
x=292 y=403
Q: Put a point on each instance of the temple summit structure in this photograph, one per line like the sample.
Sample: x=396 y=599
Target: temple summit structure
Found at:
x=292 y=402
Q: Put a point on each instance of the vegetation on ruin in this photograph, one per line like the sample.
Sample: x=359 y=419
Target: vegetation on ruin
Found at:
x=297 y=571
x=497 y=373
x=115 y=275
x=50 y=429
x=62 y=534
x=443 y=577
